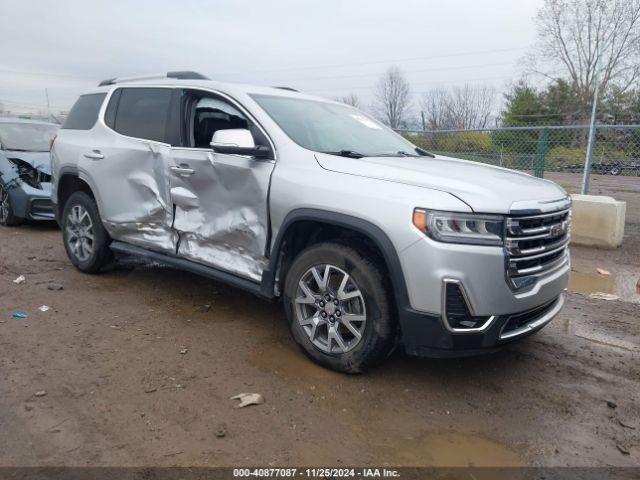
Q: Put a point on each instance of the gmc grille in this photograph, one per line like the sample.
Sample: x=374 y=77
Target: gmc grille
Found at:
x=536 y=245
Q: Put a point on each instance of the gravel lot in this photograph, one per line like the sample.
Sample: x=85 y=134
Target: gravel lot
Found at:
x=139 y=364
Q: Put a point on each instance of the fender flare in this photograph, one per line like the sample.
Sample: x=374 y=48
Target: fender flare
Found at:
x=370 y=230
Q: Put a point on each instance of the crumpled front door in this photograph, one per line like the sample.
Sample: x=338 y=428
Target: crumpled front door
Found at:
x=221 y=212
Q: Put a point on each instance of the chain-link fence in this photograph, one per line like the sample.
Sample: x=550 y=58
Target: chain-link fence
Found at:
x=540 y=149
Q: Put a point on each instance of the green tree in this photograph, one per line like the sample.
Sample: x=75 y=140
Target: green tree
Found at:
x=522 y=106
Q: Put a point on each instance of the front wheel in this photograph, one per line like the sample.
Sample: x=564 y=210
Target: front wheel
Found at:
x=339 y=308
x=85 y=238
x=7 y=218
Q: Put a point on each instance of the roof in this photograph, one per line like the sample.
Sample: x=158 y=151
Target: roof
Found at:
x=225 y=87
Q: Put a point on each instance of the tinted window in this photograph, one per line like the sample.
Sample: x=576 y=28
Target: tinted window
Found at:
x=142 y=113
x=84 y=113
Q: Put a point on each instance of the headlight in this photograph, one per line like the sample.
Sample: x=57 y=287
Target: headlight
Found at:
x=453 y=227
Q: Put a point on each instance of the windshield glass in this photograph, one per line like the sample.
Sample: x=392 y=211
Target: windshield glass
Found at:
x=31 y=137
x=329 y=127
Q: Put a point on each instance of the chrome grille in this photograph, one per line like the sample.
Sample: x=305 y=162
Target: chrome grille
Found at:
x=536 y=245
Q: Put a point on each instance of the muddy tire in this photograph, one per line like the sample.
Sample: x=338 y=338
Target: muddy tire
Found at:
x=7 y=218
x=339 y=308
x=85 y=238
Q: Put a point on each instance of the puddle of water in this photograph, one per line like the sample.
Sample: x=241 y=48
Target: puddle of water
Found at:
x=283 y=358
x=625 y=286
x=450 y=449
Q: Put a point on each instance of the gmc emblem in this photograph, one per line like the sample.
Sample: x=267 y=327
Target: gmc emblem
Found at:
x=558 y=229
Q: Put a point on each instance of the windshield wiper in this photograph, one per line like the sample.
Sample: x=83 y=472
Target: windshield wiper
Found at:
x=400 y=153
x=346 y=153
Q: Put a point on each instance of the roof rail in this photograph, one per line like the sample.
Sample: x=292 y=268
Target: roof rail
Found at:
x=287 y=88
x=180 y=75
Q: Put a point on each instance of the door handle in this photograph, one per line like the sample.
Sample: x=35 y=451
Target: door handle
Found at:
x=182 y=170
x=94 y=155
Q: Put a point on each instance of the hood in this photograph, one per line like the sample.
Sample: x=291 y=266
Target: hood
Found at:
x=38 y=160
x=483 y=187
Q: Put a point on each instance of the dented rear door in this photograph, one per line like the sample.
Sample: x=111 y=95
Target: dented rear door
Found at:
x=130 y=166
x=221 y=211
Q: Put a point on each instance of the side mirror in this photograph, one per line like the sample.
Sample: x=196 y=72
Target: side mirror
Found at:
x=237 y=141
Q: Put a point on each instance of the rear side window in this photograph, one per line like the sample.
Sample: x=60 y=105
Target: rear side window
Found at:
x=84 y=113
x=140 y=113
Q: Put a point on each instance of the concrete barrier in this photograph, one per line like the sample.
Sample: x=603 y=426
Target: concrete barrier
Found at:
x=597 y=221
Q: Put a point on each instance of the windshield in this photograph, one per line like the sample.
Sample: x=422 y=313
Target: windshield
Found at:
x=30 y=137
x=328 y=127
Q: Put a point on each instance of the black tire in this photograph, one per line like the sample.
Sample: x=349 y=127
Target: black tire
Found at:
x=8 y=219
x=380 y=329
x=615 y=170
x=101 y=255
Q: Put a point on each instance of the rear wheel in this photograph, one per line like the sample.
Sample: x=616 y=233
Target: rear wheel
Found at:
x=615 y=170
x=339 y=308
x=85 y=238
x=7 y=217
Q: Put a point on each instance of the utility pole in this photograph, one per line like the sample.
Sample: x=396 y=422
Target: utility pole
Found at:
x=46 y=94
x=592 y=124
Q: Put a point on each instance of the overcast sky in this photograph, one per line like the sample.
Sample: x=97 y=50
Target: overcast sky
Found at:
x=324 y=47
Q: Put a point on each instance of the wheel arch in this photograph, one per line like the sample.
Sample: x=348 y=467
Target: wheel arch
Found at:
x=68 y=183
x=322 y=219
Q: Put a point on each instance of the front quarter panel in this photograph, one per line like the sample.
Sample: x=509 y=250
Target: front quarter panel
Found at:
x=299 y=182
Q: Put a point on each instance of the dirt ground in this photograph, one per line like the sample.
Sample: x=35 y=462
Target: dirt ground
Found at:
x=139 y=364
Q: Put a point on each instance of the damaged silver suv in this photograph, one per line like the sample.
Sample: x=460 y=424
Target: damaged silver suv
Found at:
x=367 y=240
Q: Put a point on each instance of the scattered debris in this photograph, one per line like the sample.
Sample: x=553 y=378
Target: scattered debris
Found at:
x=611 y=404
x=172 y=454
x=221 y=431
x=40 y=393
x=19 y=280
x=183 y=350
x=44 y=308
x=623 y=450
x=603 y=296
x=54 y=428
x=247 y=399
x=203 y=308
x=151 y=390
x=603 y=272
x=19 y=315
x=55 y=286
x=625 y=424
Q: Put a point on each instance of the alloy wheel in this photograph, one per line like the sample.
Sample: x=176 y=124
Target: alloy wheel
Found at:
x=80 y=235
x=4 y=204
x=330 y=308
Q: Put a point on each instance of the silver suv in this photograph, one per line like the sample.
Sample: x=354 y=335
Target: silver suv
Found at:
x=366 y=239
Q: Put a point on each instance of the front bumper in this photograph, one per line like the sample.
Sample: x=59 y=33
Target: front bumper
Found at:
x=480 y=272
x=32 y=203
x=425 y=335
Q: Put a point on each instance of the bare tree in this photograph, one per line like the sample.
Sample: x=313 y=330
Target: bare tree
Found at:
x=350 y=99
x=572 y=34
x=393 y=97
x=435 y=108
x=463 y=107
